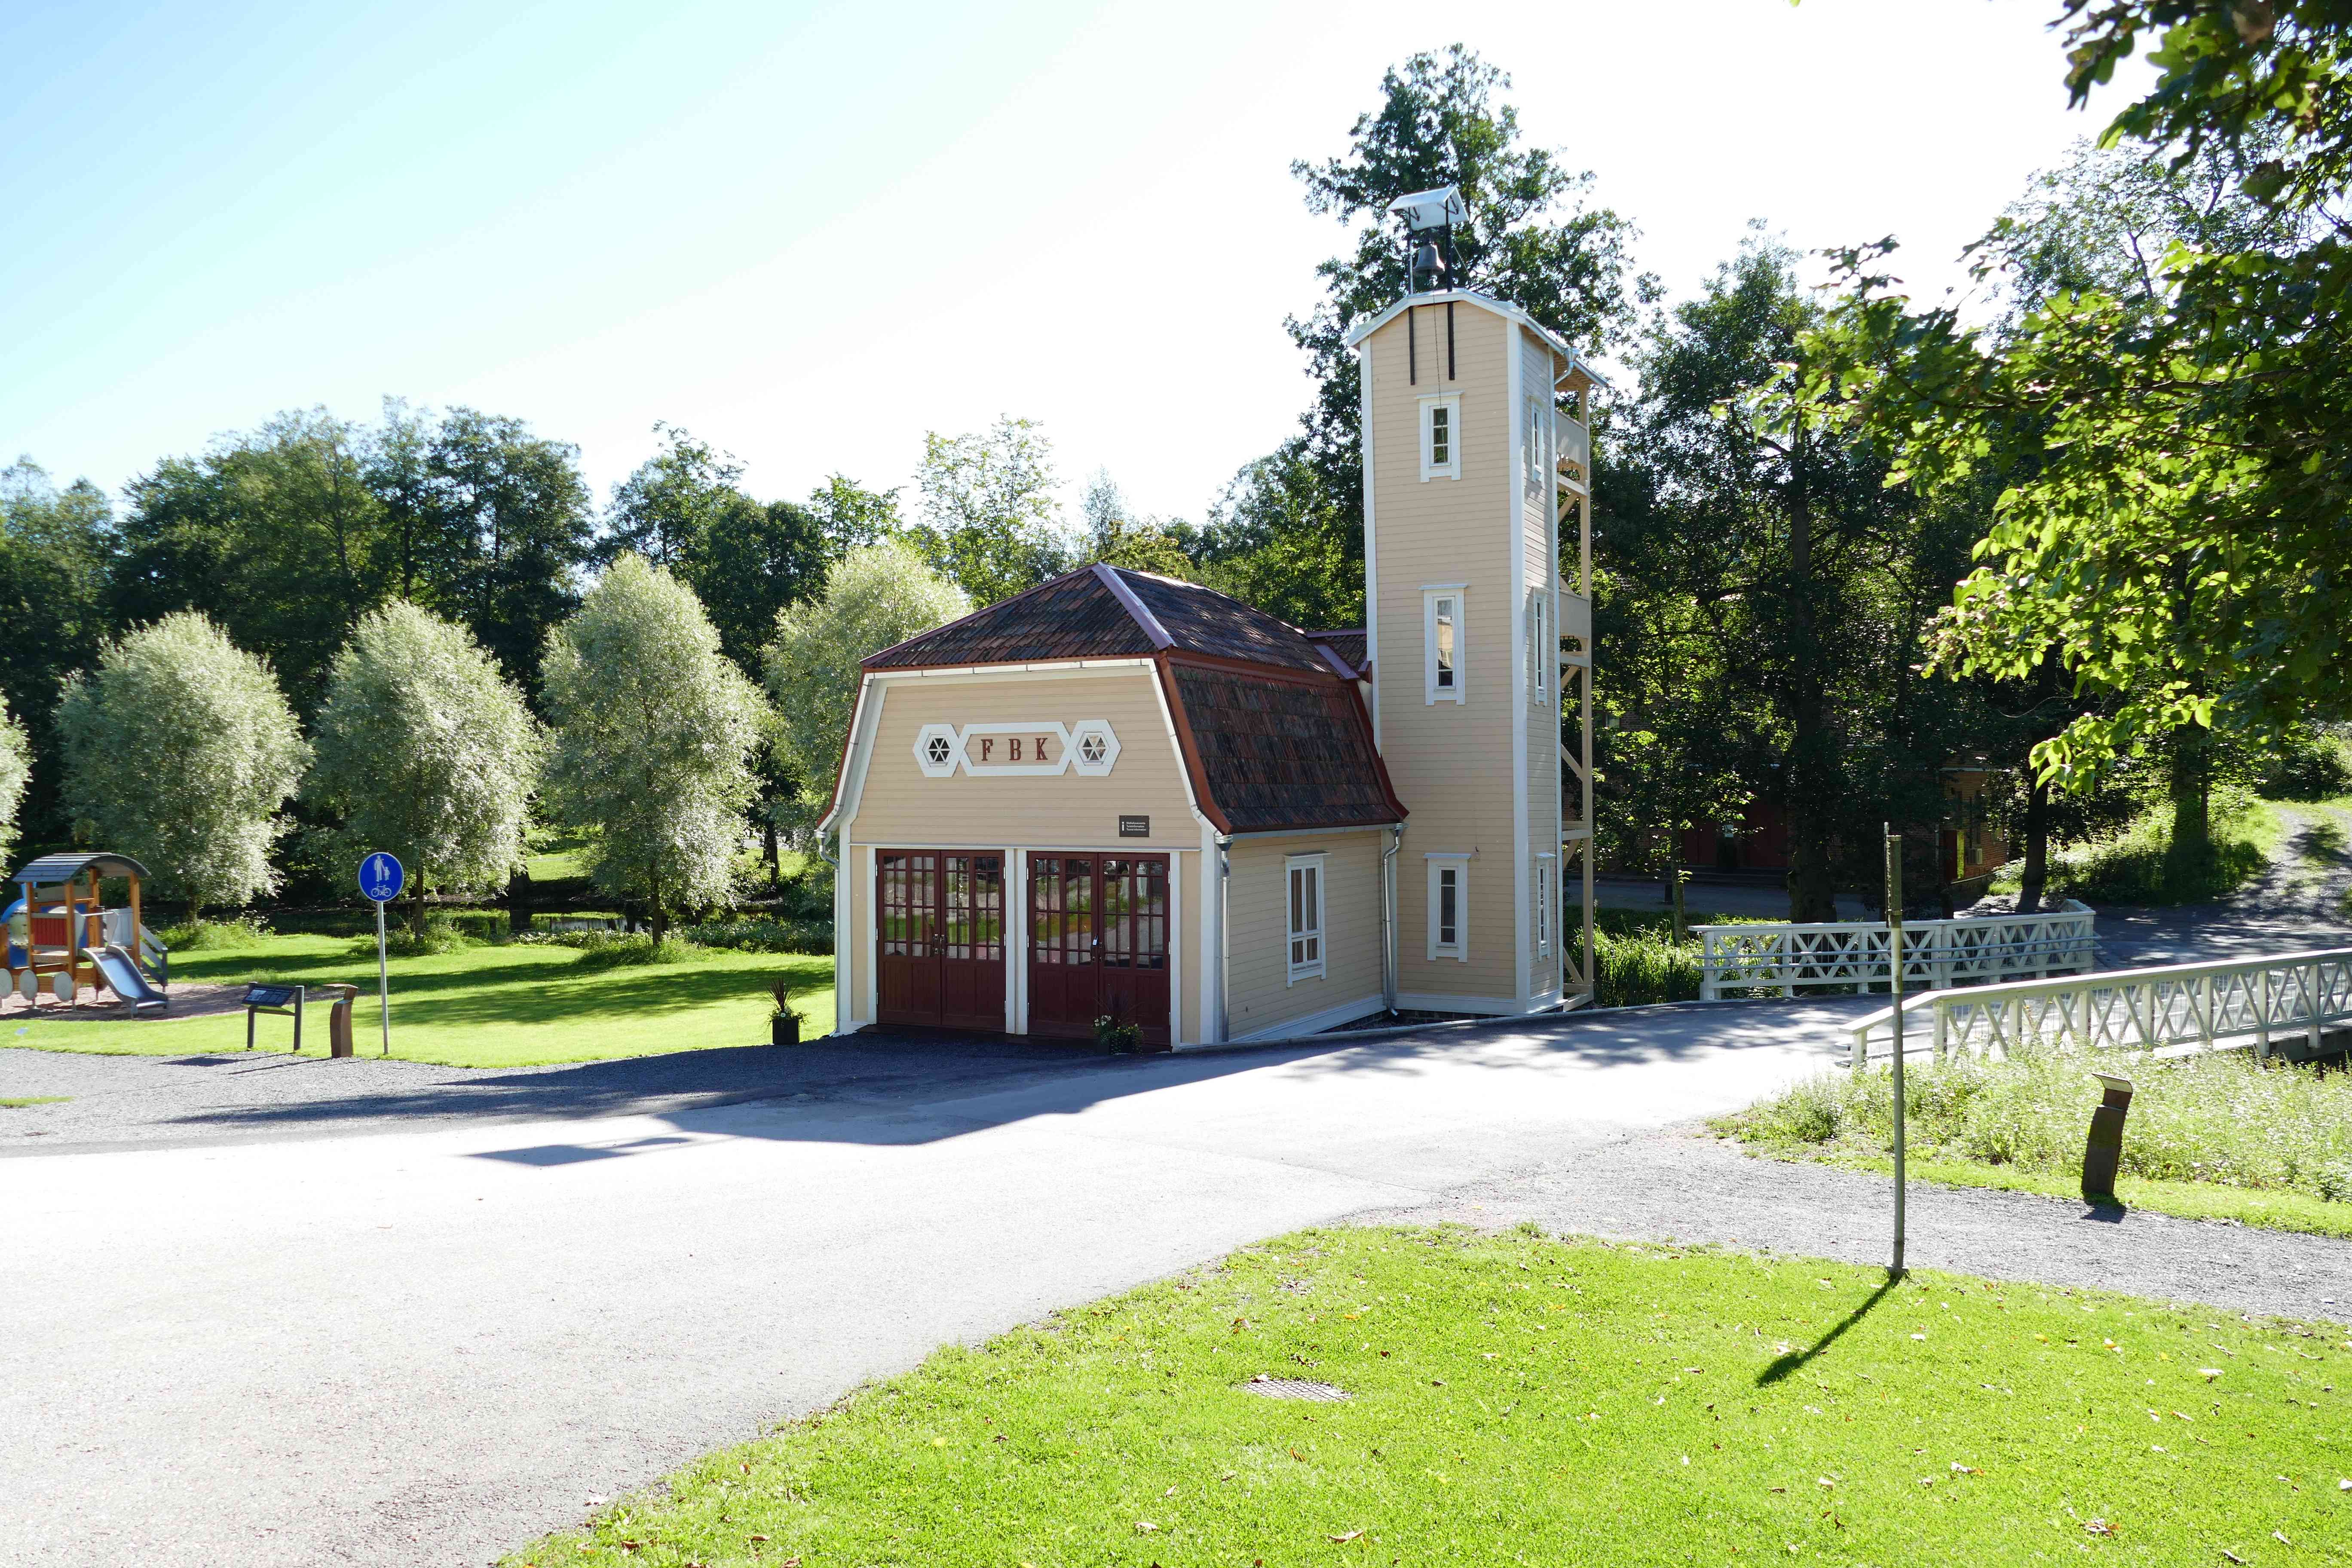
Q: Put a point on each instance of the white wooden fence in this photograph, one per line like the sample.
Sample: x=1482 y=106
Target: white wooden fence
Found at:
x=1852 y=954
x=2248 y=1001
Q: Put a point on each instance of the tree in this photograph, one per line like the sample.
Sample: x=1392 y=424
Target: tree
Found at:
x=1531 y=239
x=180 y=749
x=850 y=515
x=876 y=596
x=654 y=733
x=990 y=519
x=58 y=548
x=426 y=749
x=1768 y=594
x=1118 y=536
x=1278 y=538
x=663 y=509
x=2175 y=447
x=15 y=771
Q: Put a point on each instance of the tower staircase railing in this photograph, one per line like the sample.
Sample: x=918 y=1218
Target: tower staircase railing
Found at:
x=2287 y=997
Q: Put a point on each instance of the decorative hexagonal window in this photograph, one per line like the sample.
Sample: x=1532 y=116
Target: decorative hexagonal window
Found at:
x=1094 y=747
x=938 y=751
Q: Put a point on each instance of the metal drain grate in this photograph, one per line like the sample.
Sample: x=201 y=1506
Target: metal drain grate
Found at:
x=1295 y=1388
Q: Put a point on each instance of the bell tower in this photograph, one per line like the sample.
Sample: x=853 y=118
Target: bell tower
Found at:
x=1477 y=475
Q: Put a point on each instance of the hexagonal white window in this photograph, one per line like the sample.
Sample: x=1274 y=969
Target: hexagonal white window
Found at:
x=1094 y=747
x=936 y=751
x=939 y=749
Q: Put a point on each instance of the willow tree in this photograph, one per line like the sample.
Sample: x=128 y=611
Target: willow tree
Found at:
x=180 y=750
x=873 y=597
x=426 y=749
x=655 y=728
x=15 y=771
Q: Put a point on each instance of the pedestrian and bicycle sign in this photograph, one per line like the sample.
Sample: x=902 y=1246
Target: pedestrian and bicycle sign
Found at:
x=381 y=879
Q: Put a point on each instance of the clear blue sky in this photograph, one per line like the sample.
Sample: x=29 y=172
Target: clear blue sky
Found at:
x=811 y=233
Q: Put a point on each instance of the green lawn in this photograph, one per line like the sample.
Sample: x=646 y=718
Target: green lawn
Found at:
x=482 y=1007
x=19 y=1101
x=1520 y=1400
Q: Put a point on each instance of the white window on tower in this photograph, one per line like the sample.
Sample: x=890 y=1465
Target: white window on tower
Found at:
x=1539 y=469
x=1539 y=657
x=1441 y=435
x=1443 y=648
x=1304 y=875
x=1449 y=906
x=1547 y=904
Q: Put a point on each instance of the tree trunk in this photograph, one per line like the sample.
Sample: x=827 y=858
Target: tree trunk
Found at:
x=417 y=905
x=657 y=911
x=1810 y=781
x=768 y=850
x=518 y=901
x=2037 y=848
x=2191 y=856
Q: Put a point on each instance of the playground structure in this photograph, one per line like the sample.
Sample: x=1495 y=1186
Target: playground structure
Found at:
x=61 y=935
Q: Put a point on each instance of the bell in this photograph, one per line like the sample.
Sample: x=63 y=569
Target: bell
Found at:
x=1427 y=260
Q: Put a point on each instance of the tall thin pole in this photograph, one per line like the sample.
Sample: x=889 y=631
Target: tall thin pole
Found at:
x=383 y=983
x=1895 y=971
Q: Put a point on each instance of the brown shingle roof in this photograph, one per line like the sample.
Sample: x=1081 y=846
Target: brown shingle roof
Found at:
x=1072 y=617
x=1282 y=754
x=1201 y=620
x=1353 y=646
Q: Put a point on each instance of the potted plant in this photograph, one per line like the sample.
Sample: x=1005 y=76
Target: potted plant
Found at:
x=1116 y=1035
x=784 y=1023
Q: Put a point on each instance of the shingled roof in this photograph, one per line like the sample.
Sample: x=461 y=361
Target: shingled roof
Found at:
x=1353 y=646
x=1274 y=732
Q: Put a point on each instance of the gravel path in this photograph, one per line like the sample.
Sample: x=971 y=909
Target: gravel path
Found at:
x=1683 y=1185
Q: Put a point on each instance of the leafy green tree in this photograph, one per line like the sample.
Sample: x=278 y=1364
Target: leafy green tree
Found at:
x=426 y=749
x=180 y=751
x=876 y=596
x=990 y=519
x=1119 y=536
x=2173 y=446
x=850 y=515
x=654 y=730
x=677 y=496
x=15 y=771
x=1533 y=238
x=1278 y=538
x=58 y=550
x=1767 y=596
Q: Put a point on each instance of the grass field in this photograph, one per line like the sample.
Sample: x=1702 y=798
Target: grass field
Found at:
x=482 y=1007
x=2217 y=1136
x=1520 y=1400
x=2132 y=864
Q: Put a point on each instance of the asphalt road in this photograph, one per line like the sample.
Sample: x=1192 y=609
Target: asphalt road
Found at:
x=427 y=1347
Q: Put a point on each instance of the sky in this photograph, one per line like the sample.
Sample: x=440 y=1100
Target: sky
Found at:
x=811 y=233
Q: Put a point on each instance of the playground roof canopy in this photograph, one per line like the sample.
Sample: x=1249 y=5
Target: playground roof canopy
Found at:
x=57 y=870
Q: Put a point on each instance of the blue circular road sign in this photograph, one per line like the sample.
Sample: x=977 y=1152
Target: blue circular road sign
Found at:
x=381 y=878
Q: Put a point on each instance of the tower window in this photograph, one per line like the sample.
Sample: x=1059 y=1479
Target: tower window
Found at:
x=1547 y=904
x=1449 y=907
x=1443 y=643
x=1539 y=658
x=1441 y=435
x=1537 y=471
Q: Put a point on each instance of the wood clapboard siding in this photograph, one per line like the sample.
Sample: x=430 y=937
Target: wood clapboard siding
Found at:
x=1258 y=903
x=1451 y=762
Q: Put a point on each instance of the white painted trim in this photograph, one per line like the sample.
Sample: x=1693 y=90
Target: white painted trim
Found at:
x=1523 y=942
x=1107 y=576
x=841 y=798
x=1316 y=1022
x=1371 y=543
x=1293 y=970
x=1123 y=846
x=1426 y=405
x=1314 y=832
x=1016 y=941
x=1175 y=949
x=1364 y=329
x=873 y=937
x=1060 y=667
x=844 y=1008
x=1210 y=969
x=1447 y=1002
x=1459 y=865
x=1431 y=692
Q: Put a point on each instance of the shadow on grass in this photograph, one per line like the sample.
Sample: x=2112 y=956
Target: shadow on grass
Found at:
x=1784 y=1365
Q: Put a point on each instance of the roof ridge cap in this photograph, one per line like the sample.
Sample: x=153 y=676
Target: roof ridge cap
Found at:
x=1107 y=574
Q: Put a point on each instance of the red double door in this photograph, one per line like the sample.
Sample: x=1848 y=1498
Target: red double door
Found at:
x=1098 y=935
x=939 y=918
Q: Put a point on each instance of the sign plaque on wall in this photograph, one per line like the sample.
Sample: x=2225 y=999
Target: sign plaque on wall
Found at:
x=1043 y=750
x=1135 y=827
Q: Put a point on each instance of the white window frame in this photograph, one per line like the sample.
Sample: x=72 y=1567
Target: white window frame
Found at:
x=1538 y=663
x=1305 y=944
x=1431 y=594
x=1441 y=865
x=1547 y=901
x=1451 y=469
x=1538 y=422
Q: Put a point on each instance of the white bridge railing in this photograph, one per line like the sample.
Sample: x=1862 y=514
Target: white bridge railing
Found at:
x=2247 y=1001
x=1852 y=954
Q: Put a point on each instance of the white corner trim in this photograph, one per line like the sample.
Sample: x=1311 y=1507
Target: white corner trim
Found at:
x=1371 y=540
x=1109 y=577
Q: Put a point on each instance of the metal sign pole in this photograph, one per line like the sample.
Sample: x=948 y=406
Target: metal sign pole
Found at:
x=383 y=983
x=1895 y=973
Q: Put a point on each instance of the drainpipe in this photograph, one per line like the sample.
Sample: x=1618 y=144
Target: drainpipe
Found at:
x=1224 y=936
x=840 y=917
x=1387 y=920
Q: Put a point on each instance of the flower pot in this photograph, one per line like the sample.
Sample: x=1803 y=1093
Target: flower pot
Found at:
x=785 y=1029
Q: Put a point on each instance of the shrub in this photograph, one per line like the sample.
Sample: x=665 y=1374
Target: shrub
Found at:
x=2134 y=866
x=200 y=936
x=607 y=950
x=2219 y=1117
x=763 y=934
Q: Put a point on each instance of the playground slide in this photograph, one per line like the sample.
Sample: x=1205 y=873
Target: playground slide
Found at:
x=122 y=977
